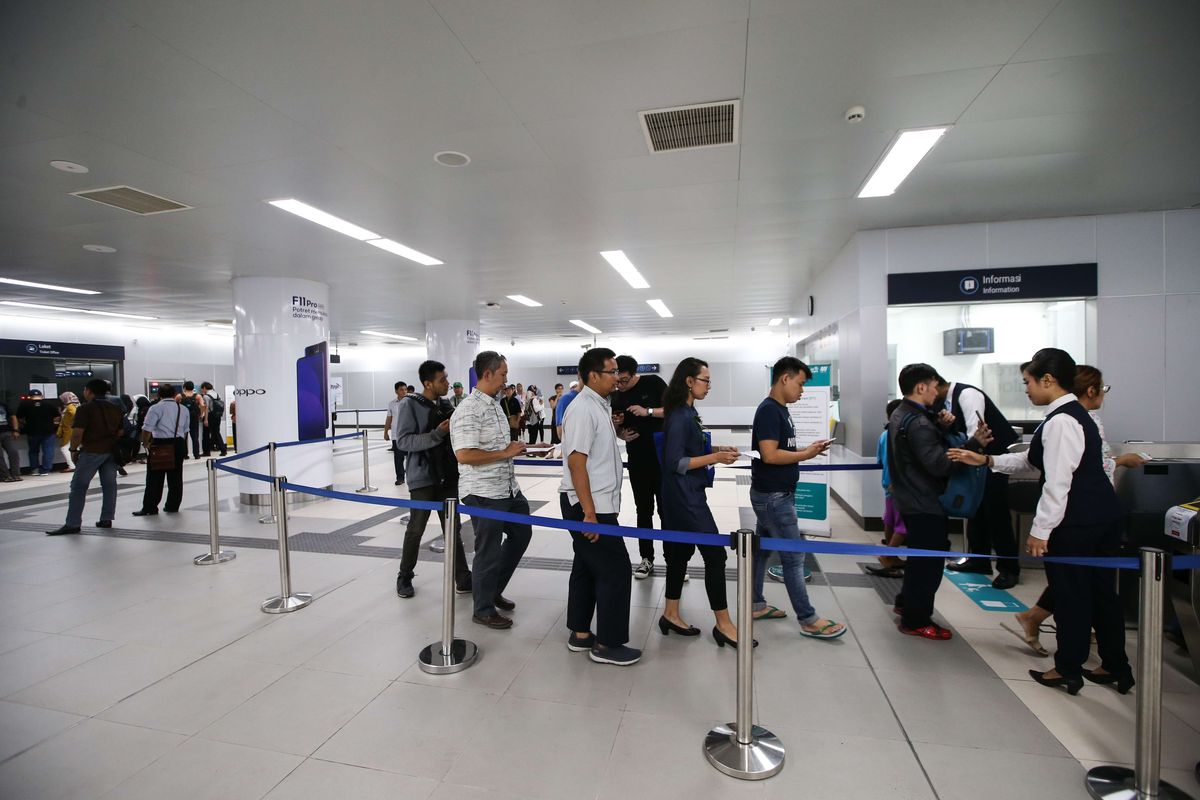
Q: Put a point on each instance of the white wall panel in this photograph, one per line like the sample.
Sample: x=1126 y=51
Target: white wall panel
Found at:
x=1130 y=350
x=1130 y=250
x=1181 y=385
x=1029 y=243
x=942 y=247
x=1183 y=250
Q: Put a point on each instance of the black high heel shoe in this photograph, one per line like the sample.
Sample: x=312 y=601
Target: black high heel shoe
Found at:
x=1072 y=685
x=722 y=640
x=666 y=626
x=1123 y=682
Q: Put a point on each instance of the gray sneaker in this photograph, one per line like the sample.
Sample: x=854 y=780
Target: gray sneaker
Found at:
x=643 y=570
x=620 y=656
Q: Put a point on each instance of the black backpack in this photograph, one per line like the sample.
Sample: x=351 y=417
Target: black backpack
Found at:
x=216 y=406
x=193 y=407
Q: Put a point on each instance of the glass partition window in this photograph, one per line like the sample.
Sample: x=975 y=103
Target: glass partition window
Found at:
x=984 y=344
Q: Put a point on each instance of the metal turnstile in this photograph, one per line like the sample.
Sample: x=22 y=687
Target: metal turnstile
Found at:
x=1181 y=528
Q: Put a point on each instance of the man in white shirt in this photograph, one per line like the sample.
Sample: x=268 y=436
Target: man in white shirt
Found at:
x=167 y=425
x=389 y=429
x=590 y=491
x=479 y=434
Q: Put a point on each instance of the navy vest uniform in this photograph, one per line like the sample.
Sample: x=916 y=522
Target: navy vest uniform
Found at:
x=1002 y=429
x=1092 y=500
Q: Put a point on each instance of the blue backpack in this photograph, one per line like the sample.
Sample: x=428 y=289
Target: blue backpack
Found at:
x=965 y=485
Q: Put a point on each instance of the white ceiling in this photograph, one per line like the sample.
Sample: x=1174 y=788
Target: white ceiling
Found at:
x=1071 y=107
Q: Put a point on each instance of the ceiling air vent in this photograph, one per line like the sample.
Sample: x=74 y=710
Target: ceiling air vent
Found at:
x=130 y=199
x=689 y=127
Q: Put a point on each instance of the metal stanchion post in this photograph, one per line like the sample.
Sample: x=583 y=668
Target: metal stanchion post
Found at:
x=450 y=654
x=287 y=600
x=215 y=554
x=357 y=428
x=270 y=519
x=366 y=487
x=742 y=749
x=1142 y=782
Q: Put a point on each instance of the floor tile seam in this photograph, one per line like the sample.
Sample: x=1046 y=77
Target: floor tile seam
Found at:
x=387 y=684
x=40 y=742
x=991 y=749
x=891 y=706
x=60 y=672
x=1181 y=720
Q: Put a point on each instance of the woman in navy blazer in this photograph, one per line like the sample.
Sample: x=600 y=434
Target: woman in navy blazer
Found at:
x=686 y=460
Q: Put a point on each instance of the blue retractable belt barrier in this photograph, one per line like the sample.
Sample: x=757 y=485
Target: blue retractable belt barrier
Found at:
x=395 y=502
x=239 y=456
x=254 y=476
x=555 y=462
x=682 y=537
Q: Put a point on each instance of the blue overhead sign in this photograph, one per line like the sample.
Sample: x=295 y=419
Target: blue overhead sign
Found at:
x=986 y=284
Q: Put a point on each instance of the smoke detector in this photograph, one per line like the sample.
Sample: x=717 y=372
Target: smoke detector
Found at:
x=452 y=158
x=855 y=114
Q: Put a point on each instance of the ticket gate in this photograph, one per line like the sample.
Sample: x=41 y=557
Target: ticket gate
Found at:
x=1181 y=527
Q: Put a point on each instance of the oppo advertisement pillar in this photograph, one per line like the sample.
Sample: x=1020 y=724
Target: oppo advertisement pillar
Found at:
x=281 y=360
x=454 y=342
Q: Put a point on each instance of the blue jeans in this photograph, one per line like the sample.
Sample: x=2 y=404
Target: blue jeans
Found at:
x=45 y=447
x=86 y=468
x=776 y=517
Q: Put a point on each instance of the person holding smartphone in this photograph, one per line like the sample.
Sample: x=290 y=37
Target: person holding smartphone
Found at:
x=773 y=478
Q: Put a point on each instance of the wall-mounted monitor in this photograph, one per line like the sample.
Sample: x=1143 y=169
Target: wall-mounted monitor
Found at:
x=968 y=341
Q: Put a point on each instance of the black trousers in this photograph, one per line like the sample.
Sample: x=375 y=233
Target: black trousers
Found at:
x=194 y=433
x=600 y=581
x=398 y=457
x=991 y=529
x=646 y=480
x=213 y=440
x=173 y=477
x=677 y=556
x=922 y=575
x=553 y=431
x=1085 y=598
x=418 y=518
x=498 y=549
x=535 y=432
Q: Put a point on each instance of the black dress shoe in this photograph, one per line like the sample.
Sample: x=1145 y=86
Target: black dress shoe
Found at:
x=496 y=621
x=1072 y=685
x=146 y=512
x=1123 y=682
x=404 y=587
x=104 y=523
x=1005 y=581
x=722 y=640
x=503 y=603
x=971 y=566
x=171 y=510
x=666 y=626
x=63 y=531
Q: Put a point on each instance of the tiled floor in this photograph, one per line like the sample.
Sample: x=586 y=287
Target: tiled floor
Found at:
x=126 y=672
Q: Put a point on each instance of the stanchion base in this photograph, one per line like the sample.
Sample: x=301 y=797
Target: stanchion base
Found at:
x=462 y=655
x=269 y=519
x=437 y=546
x=1118 y=783
x=219 y=557
x=756 y=761
x=282 y=605
x=366 y=489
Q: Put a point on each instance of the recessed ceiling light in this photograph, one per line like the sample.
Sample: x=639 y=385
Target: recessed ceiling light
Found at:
x=407 y=252
x=660 y=307
x=775 y=321
x=219 y=326
x=304 y=210
x=49 y=286
x=621 y=263
x=585 y=326
x=99 y=248
x=905 y=152
x=452 y=158
x=523 y=300
x=391 y=336
x=40 y=307
x=70 y=166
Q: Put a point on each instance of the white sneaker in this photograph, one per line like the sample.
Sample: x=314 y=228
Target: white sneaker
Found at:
x=643 y=570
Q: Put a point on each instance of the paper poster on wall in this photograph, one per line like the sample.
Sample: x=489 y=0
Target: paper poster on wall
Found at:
x=810 y=417
x=336 y=393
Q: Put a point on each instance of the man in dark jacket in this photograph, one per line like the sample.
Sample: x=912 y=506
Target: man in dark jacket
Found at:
x=422 y=428
x=919 y=470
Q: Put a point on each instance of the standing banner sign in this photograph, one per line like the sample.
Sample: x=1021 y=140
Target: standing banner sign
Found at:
x=810 y=417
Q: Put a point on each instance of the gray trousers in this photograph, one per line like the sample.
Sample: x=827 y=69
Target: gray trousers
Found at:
x=496 y=560
x=8 y=444
x=87 y=467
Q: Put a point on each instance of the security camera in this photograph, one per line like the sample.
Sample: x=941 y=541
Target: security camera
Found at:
x=855 y=114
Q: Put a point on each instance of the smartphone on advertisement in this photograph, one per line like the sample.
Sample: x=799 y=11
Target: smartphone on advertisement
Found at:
x=312 y=392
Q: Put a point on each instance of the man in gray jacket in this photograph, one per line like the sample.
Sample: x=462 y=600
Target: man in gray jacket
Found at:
x=919 y=469
x=422 y=428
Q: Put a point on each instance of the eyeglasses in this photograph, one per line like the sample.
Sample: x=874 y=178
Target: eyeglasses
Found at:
x=624 y=380
x=607 y=371
x=1105 y=388
x=705 y=380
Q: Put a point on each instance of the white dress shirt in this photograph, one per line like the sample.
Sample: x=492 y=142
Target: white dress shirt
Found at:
x=588 y=429
x=970 y=403
x=1062 y=450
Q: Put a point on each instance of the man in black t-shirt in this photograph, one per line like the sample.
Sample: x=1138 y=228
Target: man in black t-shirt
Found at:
x=637 y=410
x=38 y=419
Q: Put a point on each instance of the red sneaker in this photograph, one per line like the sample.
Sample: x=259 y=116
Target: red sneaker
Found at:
x=930 y=631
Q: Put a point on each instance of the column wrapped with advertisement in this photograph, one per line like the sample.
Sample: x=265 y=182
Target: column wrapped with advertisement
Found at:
x=281 y=360
x=454 y=342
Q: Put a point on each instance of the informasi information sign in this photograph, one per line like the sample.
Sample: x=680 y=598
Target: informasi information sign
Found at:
x=810 y=418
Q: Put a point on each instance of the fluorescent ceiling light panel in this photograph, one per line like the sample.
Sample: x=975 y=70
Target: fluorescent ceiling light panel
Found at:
x=660 y=307
x=304 y=210
x=621 y=263
x=900 y=159
x=406 y=252
x=49 y=286
x=391 y=336
x=40 y=307
x=523 y=300
x=775 y=321
x=585 y=326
